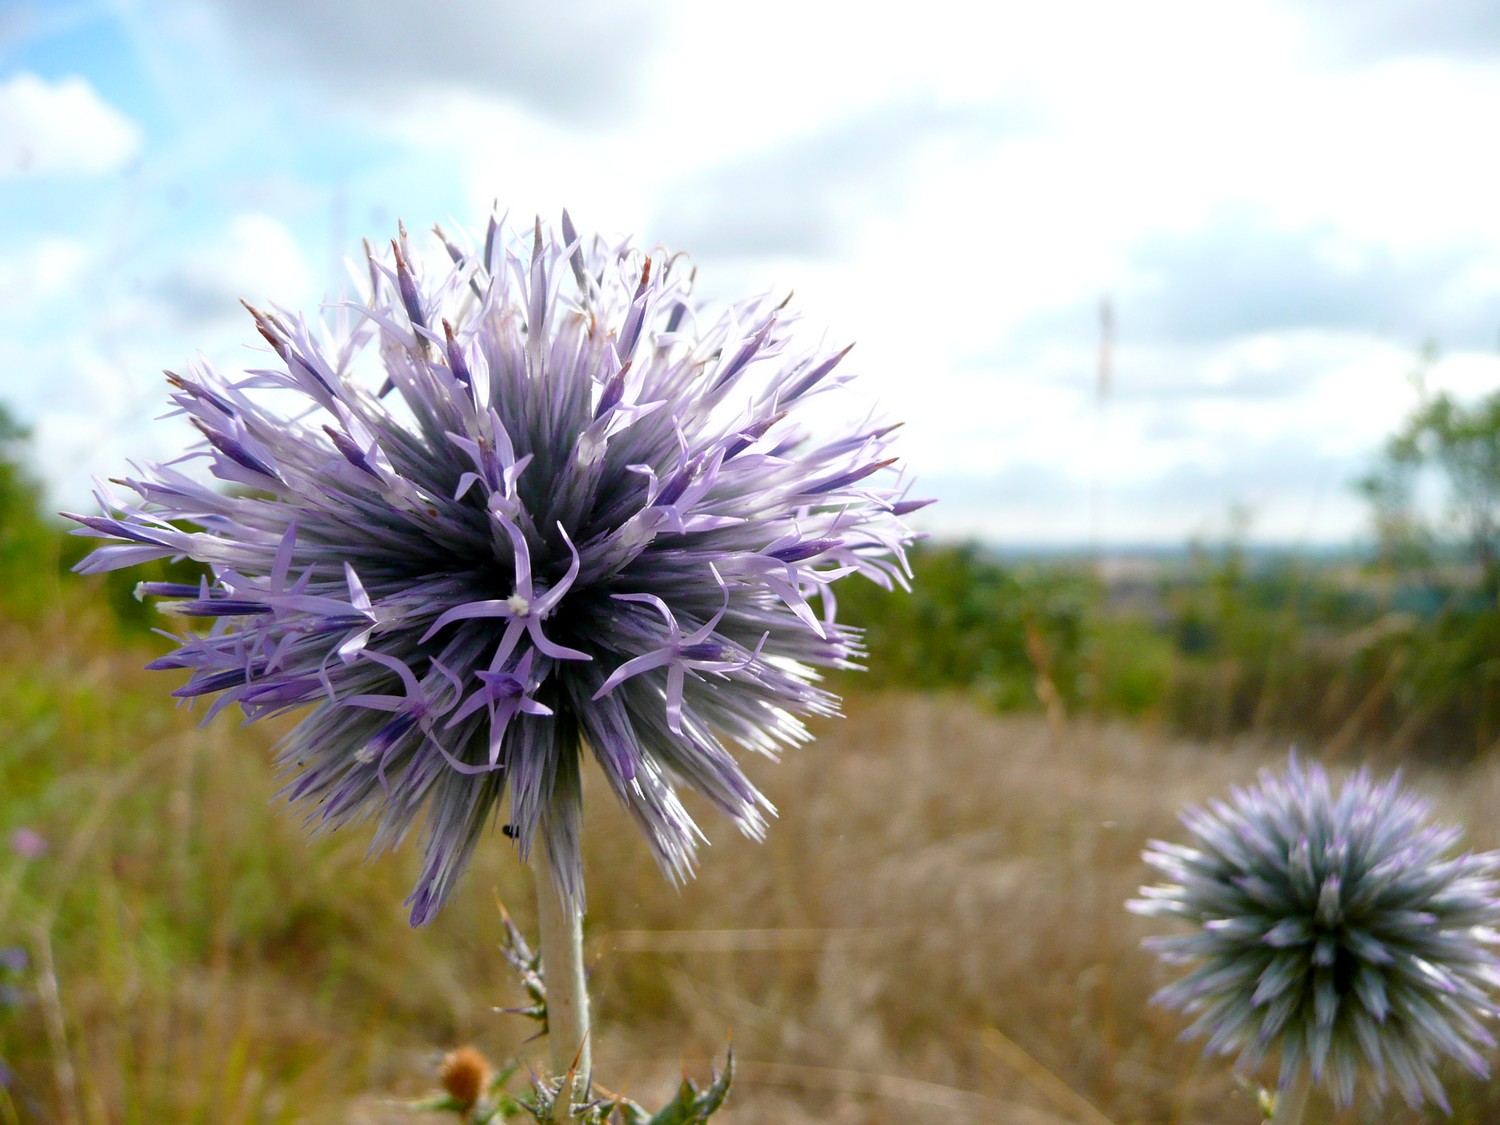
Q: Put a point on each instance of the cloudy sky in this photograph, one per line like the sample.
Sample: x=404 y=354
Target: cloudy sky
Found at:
x=1281 y=201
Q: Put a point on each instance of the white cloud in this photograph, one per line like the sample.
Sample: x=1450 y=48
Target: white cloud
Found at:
x=256 y=259
x=42 y=271
x=1279 y=223
x=499 y=151
x=98 y=417
x=86 y=373
x=61 y=128
x=569 y=59
x=1363 y=30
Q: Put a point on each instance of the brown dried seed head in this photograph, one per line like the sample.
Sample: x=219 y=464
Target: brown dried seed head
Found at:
x=465 y=1074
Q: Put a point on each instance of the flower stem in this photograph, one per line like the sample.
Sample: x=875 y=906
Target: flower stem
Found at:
x=567 y=992
x=1291 y=1102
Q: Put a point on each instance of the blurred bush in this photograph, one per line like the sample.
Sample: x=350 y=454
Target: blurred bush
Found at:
x=972 y=622
x=1336 y=651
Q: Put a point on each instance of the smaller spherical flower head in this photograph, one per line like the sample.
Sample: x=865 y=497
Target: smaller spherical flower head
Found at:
x=1340 y=929
x=480 y=520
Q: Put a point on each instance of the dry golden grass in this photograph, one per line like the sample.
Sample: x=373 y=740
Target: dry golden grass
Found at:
x=933 y=931
x=947 y=887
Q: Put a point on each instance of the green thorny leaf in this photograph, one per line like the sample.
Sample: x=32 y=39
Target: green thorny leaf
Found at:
x=690 y=1105
x=528 y=966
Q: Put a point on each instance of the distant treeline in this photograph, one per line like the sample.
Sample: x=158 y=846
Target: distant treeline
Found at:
x=1296 y=647
x=1400 y=651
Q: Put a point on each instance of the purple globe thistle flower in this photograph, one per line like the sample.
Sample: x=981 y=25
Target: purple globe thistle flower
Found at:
x=532 y=503
x=1339 y=928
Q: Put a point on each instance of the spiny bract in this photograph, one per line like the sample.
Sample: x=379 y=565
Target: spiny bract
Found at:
x=1340 y=929
x=477 y=522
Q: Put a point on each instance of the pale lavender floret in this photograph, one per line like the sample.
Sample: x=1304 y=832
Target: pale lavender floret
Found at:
x=1338 y=929
x=28 y=843
x=493 y=515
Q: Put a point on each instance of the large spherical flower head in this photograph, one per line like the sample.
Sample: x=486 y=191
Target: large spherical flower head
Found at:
x=1340 y=928
x=480 y=521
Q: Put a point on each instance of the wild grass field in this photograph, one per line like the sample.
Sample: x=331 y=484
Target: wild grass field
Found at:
x=933 y=931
